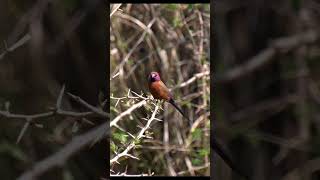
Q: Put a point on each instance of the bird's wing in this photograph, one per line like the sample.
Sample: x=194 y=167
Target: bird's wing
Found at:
x=159 y=90
x=165 y=91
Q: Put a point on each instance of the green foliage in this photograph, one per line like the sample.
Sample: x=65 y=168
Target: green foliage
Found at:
x=207 y=7
x=123 y=138
x=196 y=134
x=208 y=125
x=199 y=155
x=136 y=141
x=177 y=22
x=203 y=60
x=130 y=62
x=172 y=7
x=204 y=152
x=113 y=146
x=196 y=161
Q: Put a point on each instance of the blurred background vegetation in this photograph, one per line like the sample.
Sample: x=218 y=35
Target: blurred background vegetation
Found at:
x=174 y=40
x=45 y=44
x=266 y=60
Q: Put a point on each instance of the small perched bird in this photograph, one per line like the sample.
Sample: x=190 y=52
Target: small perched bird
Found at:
x=160 y=91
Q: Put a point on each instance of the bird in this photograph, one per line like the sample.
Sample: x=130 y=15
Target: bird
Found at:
x=160 y=91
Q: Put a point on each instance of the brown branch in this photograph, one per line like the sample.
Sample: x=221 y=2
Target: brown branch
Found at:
x=59 y=158
x=266 y=56
x=88 y=106
x=56 y=111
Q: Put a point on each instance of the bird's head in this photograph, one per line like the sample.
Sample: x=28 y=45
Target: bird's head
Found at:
x=154 y=76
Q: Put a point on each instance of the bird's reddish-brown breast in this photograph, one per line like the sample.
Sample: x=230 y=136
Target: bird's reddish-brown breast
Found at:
x=159 y=90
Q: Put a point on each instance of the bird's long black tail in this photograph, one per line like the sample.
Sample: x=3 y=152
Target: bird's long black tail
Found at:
x=171 y=101
x=221 y=152
x=216 y=147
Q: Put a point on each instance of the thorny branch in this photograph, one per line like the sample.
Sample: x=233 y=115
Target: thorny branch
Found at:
x=77 y=143
x=74 y=146
x=127 y=112
x=133 y=143
x=30 y=119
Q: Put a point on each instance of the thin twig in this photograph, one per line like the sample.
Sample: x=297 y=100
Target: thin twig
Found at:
x=23 y=130
x=115 y=8
x=88 y=106
x=19 y=43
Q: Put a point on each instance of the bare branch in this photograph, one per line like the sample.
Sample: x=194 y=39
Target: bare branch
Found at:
x=59 y=101
x=56 y=111
x=19 y=43
x=191 y=80
x=59 y=158
x=266 y=56
x=23 y=130
x=90 y=107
